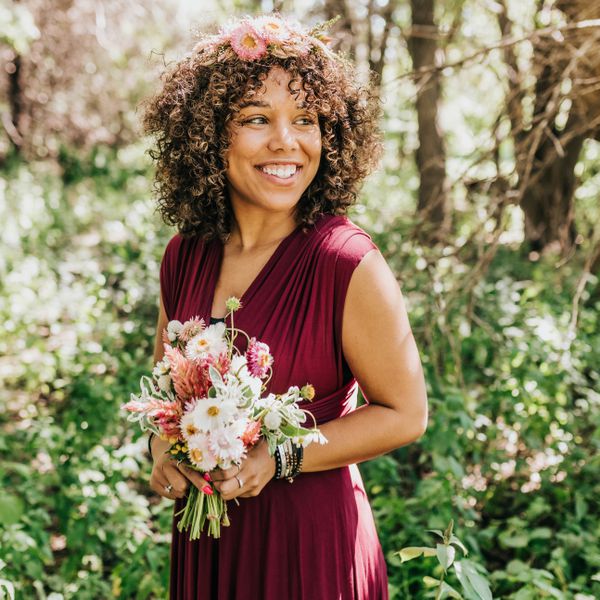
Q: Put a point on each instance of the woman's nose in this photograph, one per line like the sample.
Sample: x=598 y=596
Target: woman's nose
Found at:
x=283 y=137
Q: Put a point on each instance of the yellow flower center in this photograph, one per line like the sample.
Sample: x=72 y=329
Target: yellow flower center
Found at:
x=248 y=41
x=196 y=455
x=191 y=429
x=213 y=411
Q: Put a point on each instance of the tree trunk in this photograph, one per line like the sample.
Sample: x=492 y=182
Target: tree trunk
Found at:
x=12 y=121
x=546 y=154
x=431 y=155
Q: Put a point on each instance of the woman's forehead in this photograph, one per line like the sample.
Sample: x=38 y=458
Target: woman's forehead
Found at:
x=275 y=81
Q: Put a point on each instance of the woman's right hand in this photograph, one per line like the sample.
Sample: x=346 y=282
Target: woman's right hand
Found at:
x=165 y=472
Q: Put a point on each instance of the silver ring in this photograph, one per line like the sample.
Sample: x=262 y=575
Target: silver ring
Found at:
x=168 y=488
x=240 y=482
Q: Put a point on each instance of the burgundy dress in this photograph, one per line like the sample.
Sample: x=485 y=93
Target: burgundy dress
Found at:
x=314 y=539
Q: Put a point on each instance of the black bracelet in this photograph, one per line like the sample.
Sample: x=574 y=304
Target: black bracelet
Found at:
x=277 y=463
x=298 y=455
x=150 y=445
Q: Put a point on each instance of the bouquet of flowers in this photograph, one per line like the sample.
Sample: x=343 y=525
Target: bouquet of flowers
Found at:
x=208 y=400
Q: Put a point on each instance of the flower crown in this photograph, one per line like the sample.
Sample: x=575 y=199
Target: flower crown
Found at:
x=250 y=39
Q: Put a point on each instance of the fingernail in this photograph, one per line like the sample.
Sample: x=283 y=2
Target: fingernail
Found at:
x=207 y=477
x=208 y=490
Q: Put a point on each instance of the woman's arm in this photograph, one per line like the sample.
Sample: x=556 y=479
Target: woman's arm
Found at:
x=380 y=349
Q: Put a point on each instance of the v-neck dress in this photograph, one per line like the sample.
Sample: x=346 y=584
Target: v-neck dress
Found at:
x=313 y=539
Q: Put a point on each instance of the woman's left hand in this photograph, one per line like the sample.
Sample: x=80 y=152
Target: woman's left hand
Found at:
x=247 y=480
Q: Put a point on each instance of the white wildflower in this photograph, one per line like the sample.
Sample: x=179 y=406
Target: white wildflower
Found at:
x=173 y=329
x=272 y=420
x=200 y=453
x=226 y=445
x=188 y=426
x=212 y=413
x=210 y=342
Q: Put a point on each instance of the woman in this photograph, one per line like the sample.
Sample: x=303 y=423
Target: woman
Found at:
x=263 y=138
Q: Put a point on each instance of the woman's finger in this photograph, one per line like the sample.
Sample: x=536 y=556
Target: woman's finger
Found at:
x=235 y=486
x=194 y=476
x=160 y=485
x=172 y=477
x=223 y=474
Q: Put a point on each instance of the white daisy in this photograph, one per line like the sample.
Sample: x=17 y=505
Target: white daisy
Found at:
x=210 y=342
x=200 y=453
x=188 y=426
x=212 y=413
x=226 y=445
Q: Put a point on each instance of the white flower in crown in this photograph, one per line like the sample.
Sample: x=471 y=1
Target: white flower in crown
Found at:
x=199 y=452
x=210 y=342
x=226 y=445
x=272 y=28
x=212 y=413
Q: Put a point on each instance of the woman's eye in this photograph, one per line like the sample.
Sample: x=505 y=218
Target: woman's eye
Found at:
x=306 y=120
x=254 y=121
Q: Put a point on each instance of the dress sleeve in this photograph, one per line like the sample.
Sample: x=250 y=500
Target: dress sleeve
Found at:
x=352 y=250
x=169 y=268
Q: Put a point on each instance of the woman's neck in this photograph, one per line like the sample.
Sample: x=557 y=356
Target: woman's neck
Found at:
x=259 y=232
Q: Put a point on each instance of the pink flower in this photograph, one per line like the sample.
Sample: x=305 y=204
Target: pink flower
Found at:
x=247 y=43
x=208 y=490
x=259 y=358
x=251 y=433
x=190 y=328
x=189 y=379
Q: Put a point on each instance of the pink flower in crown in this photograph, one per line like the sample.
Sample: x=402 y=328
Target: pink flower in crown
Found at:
x=259 y=358
x=190 y=328
x=273 y=29
x=247 y=43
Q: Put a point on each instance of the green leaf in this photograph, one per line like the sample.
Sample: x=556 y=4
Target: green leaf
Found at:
x=454 y=540
x=449 y=591
x=472 y=581
x=445 y=554
x=430 y=581
x=437 y=532
x=11 y=509
x=411 y=552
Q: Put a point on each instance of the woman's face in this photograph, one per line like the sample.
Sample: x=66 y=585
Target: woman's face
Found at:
x=275 y=148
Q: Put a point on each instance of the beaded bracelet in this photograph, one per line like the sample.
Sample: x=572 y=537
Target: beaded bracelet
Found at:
x=278 y=465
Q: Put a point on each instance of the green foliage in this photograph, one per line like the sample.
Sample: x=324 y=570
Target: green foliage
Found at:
x=474 y=585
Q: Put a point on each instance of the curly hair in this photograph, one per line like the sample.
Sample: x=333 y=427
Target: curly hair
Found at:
x=189 y=119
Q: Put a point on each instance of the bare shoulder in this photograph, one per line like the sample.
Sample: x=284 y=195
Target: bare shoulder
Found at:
x=377 y=339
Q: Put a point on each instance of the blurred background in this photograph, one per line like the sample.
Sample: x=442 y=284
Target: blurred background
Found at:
x=486 y=206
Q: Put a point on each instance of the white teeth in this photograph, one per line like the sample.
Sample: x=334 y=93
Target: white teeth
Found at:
x=283 y=172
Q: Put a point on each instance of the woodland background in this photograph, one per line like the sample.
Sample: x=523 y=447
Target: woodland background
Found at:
x=486 y=207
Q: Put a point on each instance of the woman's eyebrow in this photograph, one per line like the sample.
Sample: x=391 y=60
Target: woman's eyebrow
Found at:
x=263 y=104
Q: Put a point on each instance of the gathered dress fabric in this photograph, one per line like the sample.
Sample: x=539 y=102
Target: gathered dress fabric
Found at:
x=315 y=538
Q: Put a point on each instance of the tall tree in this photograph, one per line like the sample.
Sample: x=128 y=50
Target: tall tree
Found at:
x=566 y=111
x=431 y=155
